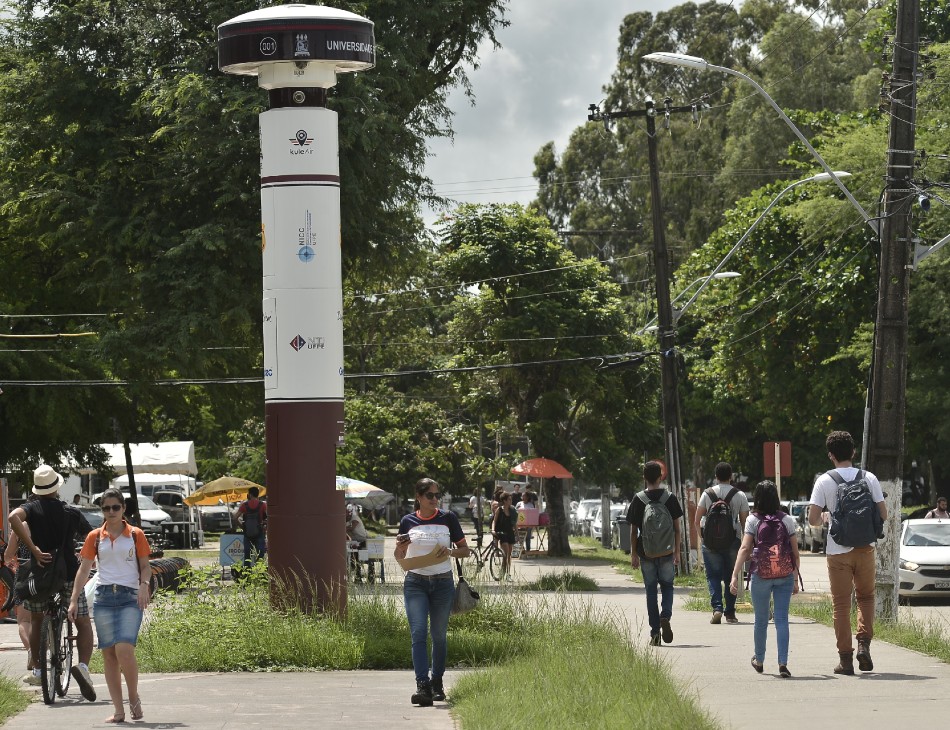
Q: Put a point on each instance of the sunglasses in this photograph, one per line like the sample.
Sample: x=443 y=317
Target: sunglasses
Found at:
x=432 y=495
x=111 y=507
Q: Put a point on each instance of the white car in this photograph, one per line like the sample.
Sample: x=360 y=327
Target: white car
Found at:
x=152 y=515
x=925 y=558
x=596 y=526
x=582 y=516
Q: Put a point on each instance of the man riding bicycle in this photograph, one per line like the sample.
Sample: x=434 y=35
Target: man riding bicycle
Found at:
x=52 y=525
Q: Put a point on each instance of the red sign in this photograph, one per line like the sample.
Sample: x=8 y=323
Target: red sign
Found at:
x=785 y=458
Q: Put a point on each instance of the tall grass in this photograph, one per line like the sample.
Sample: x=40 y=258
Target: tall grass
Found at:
x=13 y=700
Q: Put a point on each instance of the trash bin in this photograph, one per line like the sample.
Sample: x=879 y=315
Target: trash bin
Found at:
x=623 y=533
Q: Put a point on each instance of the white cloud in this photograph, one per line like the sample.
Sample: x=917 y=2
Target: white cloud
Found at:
x=556 y=56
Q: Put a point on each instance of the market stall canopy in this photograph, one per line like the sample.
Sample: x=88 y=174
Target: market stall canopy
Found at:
x=542 y=468
x=223 y=489
x=363 y=494
x=166 y=457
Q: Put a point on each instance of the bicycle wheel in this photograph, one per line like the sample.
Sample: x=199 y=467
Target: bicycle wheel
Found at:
x=65 y=641
x=495 y=560
x=49 y=660
x=471 y=566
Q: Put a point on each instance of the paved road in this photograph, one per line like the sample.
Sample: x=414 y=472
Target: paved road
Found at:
x=711 y=661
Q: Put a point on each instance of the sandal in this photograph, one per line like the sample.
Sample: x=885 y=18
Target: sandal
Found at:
x=116 y=717
x=756 y=666
x=136 y=708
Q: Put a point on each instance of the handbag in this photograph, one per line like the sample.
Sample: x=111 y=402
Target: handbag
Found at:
x=466 y=597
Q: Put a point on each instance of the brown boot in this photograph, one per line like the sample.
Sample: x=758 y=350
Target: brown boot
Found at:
x=864 y=656
x=846 y=665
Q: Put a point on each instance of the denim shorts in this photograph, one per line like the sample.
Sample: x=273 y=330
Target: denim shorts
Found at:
x=117 y=615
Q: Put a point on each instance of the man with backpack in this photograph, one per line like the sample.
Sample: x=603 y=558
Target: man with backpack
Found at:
x=252 y=516
x=720 y=519
x=855 y=502
x=654 y=518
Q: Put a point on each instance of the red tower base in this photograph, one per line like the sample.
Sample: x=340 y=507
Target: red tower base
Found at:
x=306 y=531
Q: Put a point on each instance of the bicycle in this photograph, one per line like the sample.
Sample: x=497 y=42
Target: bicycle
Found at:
x=57 y=643
x=490 y=554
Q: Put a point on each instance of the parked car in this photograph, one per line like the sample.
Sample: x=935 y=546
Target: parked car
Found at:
x=215 y=518
x=93 y=516
x=173 y=502
x=812 y=538
x=924 y=558
x=152 y=516
x=581 y=515
x=588 y=525
x=596 y=526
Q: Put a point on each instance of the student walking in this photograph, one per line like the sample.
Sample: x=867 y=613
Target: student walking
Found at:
x=654 y=518
x=940 y=511
x=768 y=538
x=122 y=596
x=428 y=591
x=855 y=501
x=720 y=517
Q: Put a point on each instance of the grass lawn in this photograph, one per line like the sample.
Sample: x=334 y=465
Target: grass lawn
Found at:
x=594 y=675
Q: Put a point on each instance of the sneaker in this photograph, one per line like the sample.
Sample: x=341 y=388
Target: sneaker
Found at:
x=33 y=678
x=731 y=618
x=655 y=640
x=667 y=631
x=80 y=673
x=438 y=690
x=716 y=617
x=423 y=694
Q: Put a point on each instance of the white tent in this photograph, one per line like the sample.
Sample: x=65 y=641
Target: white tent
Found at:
x=166 y=457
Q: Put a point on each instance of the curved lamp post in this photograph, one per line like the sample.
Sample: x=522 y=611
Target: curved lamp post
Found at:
x=680 y=59
x=677 y=312
x=820 y=177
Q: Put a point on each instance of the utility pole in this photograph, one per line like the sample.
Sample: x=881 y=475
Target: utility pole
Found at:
x=666 y=327
x=885 y=427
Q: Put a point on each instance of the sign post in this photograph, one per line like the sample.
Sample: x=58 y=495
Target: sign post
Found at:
x=777 y=456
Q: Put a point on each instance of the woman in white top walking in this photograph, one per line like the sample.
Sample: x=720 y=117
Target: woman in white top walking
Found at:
x=121 y=597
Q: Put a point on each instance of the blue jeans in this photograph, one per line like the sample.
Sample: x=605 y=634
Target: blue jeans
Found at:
x=719 y=568
x=259 y=543
x=428 y=604
x=780 y=591
x=658 y=571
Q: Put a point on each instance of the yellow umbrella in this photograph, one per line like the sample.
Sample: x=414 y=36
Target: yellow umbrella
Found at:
x=223 y=489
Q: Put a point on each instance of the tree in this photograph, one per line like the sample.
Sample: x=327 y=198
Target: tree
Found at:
x=129 y=178
x=534 y=337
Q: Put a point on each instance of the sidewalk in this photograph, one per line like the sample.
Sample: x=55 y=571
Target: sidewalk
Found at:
x=712 y=662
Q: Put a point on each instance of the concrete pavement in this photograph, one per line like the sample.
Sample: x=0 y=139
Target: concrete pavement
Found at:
x=711 y=661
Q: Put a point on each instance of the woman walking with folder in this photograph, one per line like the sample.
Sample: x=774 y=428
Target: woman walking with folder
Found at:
x=428 y=538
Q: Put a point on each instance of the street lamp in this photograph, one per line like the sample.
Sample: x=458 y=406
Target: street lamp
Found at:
x=820 y=177
x=680 y=59
x=677 y=312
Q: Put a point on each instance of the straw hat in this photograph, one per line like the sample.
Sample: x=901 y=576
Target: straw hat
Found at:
x=46 y=480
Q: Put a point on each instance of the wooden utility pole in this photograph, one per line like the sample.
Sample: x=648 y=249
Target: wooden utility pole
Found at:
x=666 y=327
x=885 y=427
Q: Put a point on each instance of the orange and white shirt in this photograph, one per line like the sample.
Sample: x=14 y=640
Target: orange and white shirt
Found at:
x=118 y=558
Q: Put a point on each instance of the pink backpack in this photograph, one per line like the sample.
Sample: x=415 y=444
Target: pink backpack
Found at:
x=772 y=555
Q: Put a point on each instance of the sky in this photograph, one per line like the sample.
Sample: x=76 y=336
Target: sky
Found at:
x=554 y=60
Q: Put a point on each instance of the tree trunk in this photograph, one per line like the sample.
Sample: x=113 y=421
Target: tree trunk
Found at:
x=558 y=530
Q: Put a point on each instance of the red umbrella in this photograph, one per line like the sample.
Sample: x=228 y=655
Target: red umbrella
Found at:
x=543 y=468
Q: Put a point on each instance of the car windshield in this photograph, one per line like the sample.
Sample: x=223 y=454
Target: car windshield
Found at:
x=934 y=534
x=147 y=503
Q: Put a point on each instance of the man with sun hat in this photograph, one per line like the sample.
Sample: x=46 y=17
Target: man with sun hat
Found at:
x=54 y=525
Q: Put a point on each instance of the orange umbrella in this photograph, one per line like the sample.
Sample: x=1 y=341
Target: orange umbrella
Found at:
x=542 y=468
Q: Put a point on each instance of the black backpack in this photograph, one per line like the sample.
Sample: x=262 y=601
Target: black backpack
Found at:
x=856 y=520
x=252 y=521
x=719 y=530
